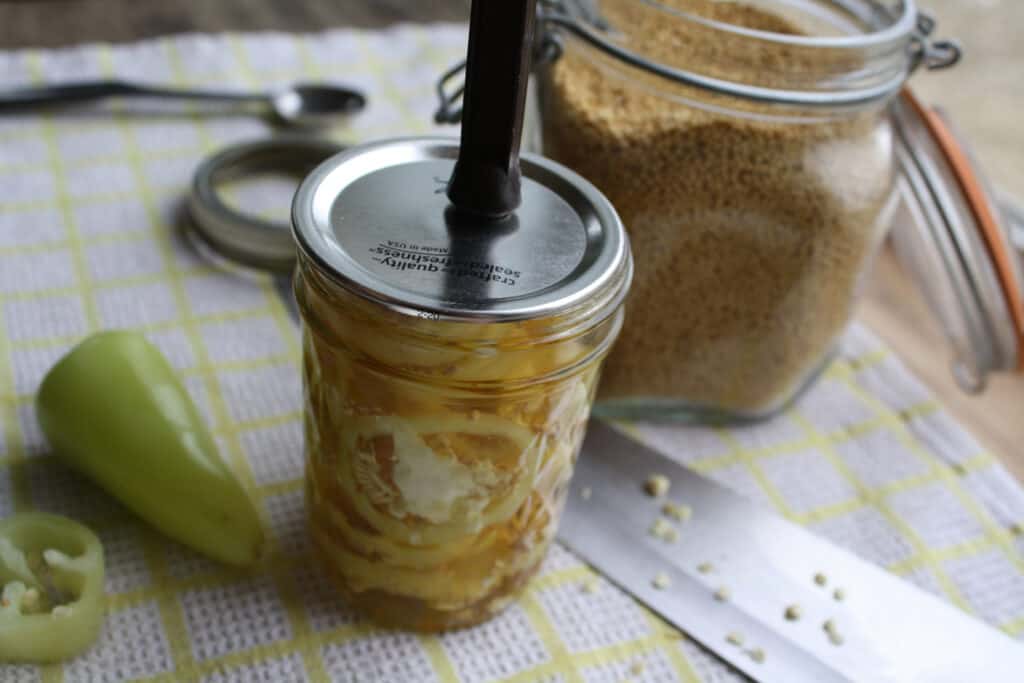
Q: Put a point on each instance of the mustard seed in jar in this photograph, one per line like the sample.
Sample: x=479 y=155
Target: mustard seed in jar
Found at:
x=753 y=217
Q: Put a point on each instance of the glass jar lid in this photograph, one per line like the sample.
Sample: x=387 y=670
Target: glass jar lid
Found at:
x=957 y=241
x=376 y=220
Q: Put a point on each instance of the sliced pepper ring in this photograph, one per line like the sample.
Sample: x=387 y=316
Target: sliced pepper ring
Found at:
x=529 y=453
x=51 y=573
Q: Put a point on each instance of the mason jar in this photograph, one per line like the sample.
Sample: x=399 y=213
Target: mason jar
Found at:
x=449 y=367
x=748 y=148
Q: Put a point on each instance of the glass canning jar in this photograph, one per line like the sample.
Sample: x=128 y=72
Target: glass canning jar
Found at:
x=449 y=369
x=748 y=148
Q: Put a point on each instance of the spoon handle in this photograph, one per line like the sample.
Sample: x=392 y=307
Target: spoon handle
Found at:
x=89 y=91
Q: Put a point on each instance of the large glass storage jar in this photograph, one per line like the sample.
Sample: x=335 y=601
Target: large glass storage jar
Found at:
x=449 y=369
x=748 y=149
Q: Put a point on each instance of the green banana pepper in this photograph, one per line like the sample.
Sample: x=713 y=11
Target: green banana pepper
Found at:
x=115 y=410
x=51 y=571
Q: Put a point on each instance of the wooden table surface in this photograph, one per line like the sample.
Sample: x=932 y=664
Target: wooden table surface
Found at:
x=985 y=95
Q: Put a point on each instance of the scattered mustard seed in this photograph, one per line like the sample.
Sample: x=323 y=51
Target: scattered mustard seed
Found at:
x=657 y=485
x=590 y=585
x=664 y=530
x=734 y=638
x=722 y=594
x=637 y=667
x=661 y=581
x=793 y=613
x=839 y=594
x=820 y=579
x=680 y=513
x=705 y=567
x=757 y=654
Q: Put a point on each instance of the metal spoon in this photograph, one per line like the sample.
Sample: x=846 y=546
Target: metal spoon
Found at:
x=305 y=105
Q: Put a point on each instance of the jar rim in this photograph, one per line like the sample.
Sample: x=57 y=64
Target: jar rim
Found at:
x=888 y=55
x=898 y=30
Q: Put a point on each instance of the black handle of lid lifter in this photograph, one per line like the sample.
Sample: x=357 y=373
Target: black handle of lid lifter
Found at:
x=486 y=179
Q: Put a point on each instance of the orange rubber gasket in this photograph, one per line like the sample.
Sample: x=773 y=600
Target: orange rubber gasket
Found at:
x=999 y=249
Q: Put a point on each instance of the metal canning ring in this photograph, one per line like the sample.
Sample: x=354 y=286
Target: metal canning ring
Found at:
x=246 y=239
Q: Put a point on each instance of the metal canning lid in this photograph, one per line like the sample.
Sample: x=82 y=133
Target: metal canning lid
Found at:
x=956 y=241
x=376 y=220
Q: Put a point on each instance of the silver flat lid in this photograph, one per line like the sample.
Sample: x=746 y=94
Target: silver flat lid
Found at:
x=376 y=220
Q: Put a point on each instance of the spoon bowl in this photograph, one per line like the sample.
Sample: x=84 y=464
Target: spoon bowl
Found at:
x=315 y=105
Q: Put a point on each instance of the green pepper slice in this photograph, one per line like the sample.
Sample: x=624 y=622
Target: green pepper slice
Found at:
x=51 y=573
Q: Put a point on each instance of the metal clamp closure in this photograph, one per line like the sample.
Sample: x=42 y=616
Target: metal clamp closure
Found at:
x=933 y=55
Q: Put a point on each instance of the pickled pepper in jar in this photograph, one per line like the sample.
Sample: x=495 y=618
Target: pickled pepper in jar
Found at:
x=452 y=347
